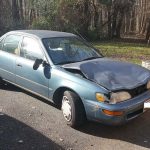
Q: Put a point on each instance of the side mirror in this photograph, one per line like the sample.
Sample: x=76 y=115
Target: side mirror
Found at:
x=37 y=63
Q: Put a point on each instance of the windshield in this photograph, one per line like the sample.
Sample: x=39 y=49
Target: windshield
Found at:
x=69 y=50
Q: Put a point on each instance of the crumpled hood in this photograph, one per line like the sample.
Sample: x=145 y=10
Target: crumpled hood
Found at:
x=113 y=75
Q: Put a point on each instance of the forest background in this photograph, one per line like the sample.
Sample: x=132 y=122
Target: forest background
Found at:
x=119 y=28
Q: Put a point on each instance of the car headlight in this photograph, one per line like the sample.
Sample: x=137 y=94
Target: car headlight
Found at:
x=100 y=97
x=119 y=97
x=148 y=85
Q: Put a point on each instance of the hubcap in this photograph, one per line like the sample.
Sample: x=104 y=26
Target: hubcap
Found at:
x=66 y=108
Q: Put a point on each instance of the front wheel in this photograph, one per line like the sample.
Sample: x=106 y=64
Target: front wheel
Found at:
x=73 y=109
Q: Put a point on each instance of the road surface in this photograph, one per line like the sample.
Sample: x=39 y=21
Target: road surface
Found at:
x=28 y=122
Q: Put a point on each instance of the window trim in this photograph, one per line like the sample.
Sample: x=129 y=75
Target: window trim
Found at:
x=4 y=38
x=37 y=40
x=76 y=37
x=19 y=46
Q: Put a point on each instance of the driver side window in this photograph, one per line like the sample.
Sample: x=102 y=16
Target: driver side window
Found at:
x=30 y=49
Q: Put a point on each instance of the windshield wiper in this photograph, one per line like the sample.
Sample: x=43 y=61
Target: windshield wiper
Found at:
x=91 y=58
x=66 y=62
x=69 y=61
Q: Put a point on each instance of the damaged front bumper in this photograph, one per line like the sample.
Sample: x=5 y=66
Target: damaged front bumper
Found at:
x=130 y=108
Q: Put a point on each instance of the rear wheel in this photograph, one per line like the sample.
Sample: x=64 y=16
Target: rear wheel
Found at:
x=73 y=109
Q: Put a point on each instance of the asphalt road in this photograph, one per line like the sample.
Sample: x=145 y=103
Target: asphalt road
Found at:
x=28 y=122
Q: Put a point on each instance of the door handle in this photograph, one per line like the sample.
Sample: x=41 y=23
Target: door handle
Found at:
x=19 y=65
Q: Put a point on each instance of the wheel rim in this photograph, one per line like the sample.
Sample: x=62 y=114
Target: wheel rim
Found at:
x=66 y=108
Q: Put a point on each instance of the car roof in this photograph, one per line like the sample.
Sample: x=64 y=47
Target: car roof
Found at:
x=42 y=33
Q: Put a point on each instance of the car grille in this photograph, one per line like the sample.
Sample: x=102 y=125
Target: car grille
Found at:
x=135 y=113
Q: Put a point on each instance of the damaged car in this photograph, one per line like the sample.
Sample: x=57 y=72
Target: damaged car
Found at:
x=64 y=69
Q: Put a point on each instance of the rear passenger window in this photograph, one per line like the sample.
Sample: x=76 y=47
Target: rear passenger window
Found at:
x=30 y=49
x=11 y=44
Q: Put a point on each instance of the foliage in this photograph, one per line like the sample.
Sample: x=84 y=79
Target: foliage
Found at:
x=41 y=23
x=93 y=35
x=106 y=2
x=5 y=17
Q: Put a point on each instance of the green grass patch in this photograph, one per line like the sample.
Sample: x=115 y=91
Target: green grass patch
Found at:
x=131 y=52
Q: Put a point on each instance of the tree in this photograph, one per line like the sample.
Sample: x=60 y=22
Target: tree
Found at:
x=5 y=16
x=94 y=19
x=119 y=9
x=15 y=13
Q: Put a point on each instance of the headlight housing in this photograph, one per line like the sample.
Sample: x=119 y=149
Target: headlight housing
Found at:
x=148 y=85
x=119 y=97
x=100 y=97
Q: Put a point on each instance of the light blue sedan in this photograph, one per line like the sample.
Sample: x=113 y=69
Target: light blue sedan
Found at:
x=66 y=70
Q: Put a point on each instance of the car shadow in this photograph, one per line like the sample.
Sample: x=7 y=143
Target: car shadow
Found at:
x=10 y=87
x=136 y=131
x=15 y=135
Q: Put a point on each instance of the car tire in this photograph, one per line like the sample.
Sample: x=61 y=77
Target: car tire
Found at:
x=73 y=109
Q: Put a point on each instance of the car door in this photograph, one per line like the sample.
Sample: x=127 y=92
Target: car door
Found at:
x=33 y=80
x=8 y=53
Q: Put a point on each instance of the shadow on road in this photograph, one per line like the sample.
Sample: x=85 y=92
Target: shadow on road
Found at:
x=15 y=135
x=135 y=132
x=10 y=87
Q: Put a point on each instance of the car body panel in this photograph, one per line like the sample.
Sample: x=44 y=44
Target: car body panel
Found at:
x=114 y=75
x=131 y=109
x=83 y=87
x=7 y=66
x=26 y=76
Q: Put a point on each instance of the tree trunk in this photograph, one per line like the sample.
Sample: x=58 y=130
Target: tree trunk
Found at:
x=114 y=23
x=86 y=18
x=15 y=12
x=21 y=10
x=148 y=32
x=109 y=21
x=119 y=25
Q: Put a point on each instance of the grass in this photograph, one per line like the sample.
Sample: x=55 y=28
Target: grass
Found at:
x=131 y=52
